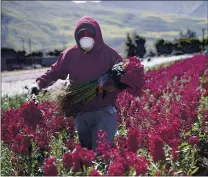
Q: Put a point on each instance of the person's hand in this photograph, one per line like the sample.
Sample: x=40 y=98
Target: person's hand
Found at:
x=109 y=85
x=34 y=89
x=105 y=83
x=117 y=71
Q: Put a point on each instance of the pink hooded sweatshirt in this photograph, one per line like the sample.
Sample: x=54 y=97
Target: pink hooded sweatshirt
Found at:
x=83 y=67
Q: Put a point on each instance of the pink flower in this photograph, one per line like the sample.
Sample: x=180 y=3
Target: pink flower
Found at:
x=141 y=165
x=156 y=148
x=116 y=169
x=76 y=157
x=193 y=140
x=31 y=114
x=133 y=139
x=21 y=144
x=175 y=155
x=94 y=173
x=50 y=167
x=134 y=76
x=103 y=145
x=158 y=173
x=88 y=157
x=67 y=160
x=14 y=160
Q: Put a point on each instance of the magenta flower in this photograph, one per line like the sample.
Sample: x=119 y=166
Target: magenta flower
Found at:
x=50 y=167
x=156 y=148
x=31 y=114
x=193 y=140
x=116 y=169
x=67 y=160
x=94 y=173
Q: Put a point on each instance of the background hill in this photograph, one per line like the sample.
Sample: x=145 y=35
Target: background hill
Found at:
x=51 y=24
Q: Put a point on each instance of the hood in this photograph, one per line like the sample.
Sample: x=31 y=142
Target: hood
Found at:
x=92 y=25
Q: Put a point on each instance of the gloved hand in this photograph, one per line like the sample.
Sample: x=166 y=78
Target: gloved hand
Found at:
x=116 y=73
x=34 y=89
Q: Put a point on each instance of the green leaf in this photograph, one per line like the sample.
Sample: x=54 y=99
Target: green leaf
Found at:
x=132 y=172
x=88 y=171
x=187 y=134
x=194 y=171
x=192 y=159
x=186 y=148
x=154 y=166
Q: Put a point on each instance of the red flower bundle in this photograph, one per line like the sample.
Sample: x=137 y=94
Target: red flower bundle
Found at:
x=129 y=75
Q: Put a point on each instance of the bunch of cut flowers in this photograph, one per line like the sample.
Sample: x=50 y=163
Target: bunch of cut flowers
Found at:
x=70 y=99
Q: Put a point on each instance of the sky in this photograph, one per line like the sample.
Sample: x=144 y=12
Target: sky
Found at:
x=84 y=1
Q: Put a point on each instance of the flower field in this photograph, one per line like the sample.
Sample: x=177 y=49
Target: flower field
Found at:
x=164 y=132
x=13 y=83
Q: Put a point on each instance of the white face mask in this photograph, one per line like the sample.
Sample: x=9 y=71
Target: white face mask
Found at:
x=87 y=43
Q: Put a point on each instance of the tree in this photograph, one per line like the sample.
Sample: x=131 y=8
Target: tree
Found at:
x=140 y=46
x=130 y=47
x=6 y=49
x=195 y=45
x=206 y=42
x=54 y=53
x=23 y=53
x=38 y=54
x=184 y=45
x=159 y=44
x=135 y=46
x=188 y=34
x=164 y=47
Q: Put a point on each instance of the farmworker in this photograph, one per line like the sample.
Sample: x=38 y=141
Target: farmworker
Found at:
x=87 y=61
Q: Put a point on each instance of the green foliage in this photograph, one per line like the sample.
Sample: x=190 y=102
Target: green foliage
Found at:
x=164 y=47
x=188 y=34
x=12 y=102
x=6 y=161
x=186 y=43
x=54 y=53
x=135 y=45
x=192 y=158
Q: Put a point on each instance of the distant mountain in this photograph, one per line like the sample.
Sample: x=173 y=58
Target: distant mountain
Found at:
x=172 y=7
x=50 y=24
x=201 y=10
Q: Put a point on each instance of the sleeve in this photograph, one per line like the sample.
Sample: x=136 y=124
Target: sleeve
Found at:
x=57 y=71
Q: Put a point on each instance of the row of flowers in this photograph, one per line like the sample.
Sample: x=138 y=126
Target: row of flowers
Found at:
x=155 y=132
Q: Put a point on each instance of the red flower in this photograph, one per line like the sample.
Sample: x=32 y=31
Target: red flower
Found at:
x=31 y=114
x=133 y=139
x=67 y=160
x=103 y=145
x=141 y=165
x=21 y=144
x=94 y=173
x=50 y=168
x=88 y=157
x=158 y=173
x=116 y=169
x=156 y=148
x=193 y=140
x=134 y=76
x=14 y=160
x=76 y=157
x=175 y=155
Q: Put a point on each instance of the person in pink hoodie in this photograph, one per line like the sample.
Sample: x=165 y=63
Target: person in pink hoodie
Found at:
x=86 y=61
